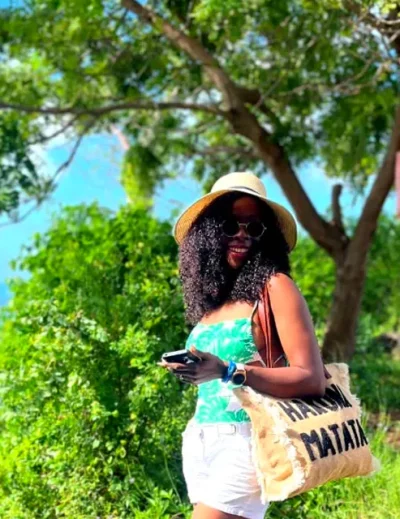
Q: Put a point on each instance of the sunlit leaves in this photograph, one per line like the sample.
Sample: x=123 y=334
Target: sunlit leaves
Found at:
x=328 y=79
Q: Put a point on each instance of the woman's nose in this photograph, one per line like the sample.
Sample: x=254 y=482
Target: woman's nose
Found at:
x=242 y=233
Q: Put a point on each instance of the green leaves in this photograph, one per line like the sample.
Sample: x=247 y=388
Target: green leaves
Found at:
x=20 y=181
x=140 y=172
x=83 y=401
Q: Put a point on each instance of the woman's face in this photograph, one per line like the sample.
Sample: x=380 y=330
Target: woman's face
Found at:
x=245 y=209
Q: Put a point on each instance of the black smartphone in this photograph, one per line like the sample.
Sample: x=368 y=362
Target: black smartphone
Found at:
x=180 y=356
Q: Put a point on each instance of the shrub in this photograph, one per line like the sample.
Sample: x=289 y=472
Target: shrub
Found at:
x=90 y=425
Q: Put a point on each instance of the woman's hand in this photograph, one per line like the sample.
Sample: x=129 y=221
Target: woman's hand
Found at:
x=210 y=367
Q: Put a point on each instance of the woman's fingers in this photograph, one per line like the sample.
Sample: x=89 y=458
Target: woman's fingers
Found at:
x=185 y=376
x=173 y=365
x=185 y=369
x=183 y=372
x=187 y=379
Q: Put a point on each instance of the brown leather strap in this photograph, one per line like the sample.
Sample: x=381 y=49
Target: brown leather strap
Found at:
x=273 y=345
x=264 y=316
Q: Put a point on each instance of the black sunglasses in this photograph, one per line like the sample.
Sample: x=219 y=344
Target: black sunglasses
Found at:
x=254 y=229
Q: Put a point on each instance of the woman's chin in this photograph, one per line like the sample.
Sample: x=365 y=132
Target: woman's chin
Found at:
x=235 y=263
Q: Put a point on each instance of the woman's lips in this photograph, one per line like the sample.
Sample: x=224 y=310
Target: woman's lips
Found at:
x=238 y=251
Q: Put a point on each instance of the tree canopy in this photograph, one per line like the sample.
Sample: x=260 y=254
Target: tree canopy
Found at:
x=321 y=78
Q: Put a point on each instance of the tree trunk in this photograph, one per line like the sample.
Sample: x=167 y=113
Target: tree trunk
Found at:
x=339 y=341
x=340 y=338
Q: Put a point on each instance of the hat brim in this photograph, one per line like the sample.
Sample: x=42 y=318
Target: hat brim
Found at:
x=285 y=219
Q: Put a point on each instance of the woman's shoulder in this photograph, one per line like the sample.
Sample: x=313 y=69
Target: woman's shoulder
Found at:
x=280 y=280
x=282 y=288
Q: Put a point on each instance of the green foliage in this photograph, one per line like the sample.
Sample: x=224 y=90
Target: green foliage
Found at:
x=314 y=272
x=20 y=180
x=139 y=172
x=382 y=291
x=86 y=414
x=375 y=378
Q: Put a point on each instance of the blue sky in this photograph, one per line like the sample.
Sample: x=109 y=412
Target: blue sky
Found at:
x=94 y=176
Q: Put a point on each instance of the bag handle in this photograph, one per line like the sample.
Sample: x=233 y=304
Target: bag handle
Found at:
x=265 y=318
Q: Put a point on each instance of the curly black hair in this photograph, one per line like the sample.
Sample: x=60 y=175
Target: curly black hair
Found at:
x=207 y=279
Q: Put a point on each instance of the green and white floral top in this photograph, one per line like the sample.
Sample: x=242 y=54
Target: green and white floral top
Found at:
x=229 y=340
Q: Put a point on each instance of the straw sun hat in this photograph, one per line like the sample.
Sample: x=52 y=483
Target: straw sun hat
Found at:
x=243 y=182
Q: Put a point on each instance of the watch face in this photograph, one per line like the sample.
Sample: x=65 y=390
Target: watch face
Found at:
x=238 y=378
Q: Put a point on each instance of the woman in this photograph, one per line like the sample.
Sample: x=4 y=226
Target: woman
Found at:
x=234 y=243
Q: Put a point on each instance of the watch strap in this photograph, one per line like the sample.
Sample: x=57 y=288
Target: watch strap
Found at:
x=230 y=370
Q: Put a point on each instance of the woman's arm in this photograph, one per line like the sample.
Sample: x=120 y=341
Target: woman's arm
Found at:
x=305 y=376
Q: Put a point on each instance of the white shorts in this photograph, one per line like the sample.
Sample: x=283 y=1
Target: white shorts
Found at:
x=219 y=470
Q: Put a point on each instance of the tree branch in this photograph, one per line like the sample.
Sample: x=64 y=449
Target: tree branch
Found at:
x=56 y=174
x=373 y=205
x=231 y=150
x=129 y=105
x=383 y=25
x=337 y=219
x=192 y=48
x=61 y=130
x=253 y=97
x=74 y=150
x=346 y=86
